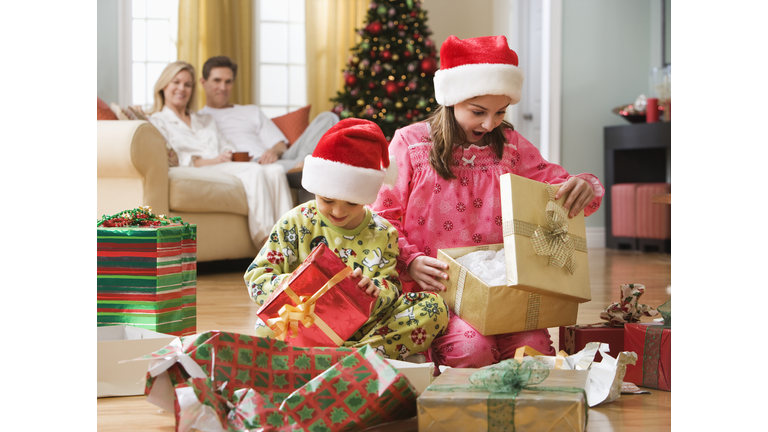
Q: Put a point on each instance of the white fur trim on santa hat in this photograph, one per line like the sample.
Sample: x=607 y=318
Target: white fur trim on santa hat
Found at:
x=460 y=83
x=341 y=181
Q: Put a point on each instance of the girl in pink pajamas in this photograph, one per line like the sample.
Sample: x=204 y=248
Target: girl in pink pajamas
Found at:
x=447 y=193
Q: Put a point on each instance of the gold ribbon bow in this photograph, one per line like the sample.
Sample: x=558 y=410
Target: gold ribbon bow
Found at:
x=289 y=317
x=555 y=242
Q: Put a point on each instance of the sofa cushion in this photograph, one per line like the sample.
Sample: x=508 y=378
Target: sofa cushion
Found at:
x=199 y=190
x=293 y=124
x=103 y=111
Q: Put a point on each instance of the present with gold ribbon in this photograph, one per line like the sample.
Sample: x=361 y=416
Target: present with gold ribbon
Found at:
x=318 y=305
x=653 y=344
x=509 y=396
x=546 y=265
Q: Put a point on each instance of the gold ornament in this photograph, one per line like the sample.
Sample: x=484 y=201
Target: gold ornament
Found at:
x=360 y=102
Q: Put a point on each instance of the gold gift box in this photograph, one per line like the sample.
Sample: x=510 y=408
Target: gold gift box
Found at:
x=530 y=410
x=537 y=295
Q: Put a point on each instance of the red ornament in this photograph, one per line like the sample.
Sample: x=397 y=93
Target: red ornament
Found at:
x=391 y=88
x=408 y=115
x=413 y=14
x=429 y=66
x=400 y=26
x=386 y=55
x=372 y=54
x=374 y=28
x=371 y=85
x=351 y=80
x=379 y=105
x=401 y=85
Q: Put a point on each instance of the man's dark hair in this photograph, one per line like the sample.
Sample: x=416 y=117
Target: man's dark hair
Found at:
x=219 y=61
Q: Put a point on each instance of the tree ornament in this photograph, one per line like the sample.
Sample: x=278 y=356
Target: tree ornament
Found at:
x=354 y=92
x=386 y=55
x=390 y=88
x=371 y=85
x=401 y=33
x=364 y=64
x=391 y=12
x=365 y=46
x=354 y=60
x=360 y=102
x=381 y=10
x=395 y=57
x=390 y=118
x=374 y=28
x=377 y=67
x=409 y=115
x=429 y=66
x=345 y=114
x=412 y=66
x=350 y=80
x=398 y=104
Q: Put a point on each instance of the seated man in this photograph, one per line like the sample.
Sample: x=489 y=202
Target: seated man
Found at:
x=248 y=128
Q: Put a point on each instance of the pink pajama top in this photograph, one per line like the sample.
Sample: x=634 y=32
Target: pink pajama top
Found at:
x=431 y=213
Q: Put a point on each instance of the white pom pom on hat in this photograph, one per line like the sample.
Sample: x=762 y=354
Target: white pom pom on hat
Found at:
x=350 y=163
x=477 y=67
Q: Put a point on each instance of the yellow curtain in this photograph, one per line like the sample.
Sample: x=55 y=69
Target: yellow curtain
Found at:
x=330 y=30
x=209 y=28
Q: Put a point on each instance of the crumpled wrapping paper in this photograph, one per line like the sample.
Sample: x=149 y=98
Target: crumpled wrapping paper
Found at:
x=627 y=310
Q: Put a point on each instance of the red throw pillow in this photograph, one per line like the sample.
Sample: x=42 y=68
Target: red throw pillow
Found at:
x=293 y=124
x=103 y=112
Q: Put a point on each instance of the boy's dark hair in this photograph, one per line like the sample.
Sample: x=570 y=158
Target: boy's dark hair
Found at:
x=219 y=61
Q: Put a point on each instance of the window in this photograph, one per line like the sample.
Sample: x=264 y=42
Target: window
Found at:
x=282 y=76
x=152 y=32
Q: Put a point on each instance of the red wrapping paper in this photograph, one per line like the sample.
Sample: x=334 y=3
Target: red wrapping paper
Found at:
x=654 y=355
x=575 y=338
x=344 y=308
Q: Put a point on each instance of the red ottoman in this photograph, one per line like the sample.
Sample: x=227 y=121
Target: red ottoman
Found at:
x=653 y=219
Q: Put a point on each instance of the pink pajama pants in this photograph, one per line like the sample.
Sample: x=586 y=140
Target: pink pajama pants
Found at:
x=462 y=346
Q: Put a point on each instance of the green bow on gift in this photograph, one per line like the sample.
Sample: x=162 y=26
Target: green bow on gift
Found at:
x=509 y=376
x=555 y=242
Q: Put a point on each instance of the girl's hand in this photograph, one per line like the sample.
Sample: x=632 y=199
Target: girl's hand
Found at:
x=424 y=270
x=365 y=284
x=580 y=193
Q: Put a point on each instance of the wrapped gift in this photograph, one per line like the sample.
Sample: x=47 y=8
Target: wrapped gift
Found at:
x=146 y=272
x=236 y=382
x=511 y=396
x=653 y=344
x=574 y=338
x=627 y=310
x=546 y=264
x=317 y=305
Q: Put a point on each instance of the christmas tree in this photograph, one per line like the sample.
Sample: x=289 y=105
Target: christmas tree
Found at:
x=389 y=76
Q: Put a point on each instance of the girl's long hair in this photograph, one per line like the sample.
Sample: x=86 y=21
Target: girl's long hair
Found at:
x=166 y=77
x=446 y=134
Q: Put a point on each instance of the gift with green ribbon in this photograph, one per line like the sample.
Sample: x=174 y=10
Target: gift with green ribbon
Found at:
x=509 y=396
x=653 y=344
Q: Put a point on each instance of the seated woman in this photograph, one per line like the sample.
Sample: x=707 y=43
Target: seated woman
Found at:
x=198 y=143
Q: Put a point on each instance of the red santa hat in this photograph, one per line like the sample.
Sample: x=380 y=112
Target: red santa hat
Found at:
x=350 y=163
x=477 y=67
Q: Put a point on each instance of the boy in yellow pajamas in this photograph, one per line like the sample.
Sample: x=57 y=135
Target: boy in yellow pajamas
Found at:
x=346 y=172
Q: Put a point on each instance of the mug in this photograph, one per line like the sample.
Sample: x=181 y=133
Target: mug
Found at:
x=241 y=157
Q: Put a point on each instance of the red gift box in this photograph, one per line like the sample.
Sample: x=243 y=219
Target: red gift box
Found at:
x=576 y=337
x=653 y=344
x=318 y=305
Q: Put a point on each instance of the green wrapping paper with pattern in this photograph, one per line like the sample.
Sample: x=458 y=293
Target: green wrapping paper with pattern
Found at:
x=266 y=382
x=453 y=402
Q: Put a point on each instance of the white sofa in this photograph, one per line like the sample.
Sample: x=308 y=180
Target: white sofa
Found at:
x=133 y=171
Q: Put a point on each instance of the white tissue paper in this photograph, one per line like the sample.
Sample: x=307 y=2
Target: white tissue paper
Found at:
x=488 y=265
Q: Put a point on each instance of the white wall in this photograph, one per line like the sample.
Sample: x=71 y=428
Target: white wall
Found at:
x=106 y=50
x=608 y=50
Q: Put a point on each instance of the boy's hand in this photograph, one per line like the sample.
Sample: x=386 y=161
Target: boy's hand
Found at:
x=365 y=284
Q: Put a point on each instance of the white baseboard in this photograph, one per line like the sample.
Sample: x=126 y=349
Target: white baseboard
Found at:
x=596 y=238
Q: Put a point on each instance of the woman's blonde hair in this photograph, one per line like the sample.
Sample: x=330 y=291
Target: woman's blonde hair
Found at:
x=446 y=134
x=166 y=77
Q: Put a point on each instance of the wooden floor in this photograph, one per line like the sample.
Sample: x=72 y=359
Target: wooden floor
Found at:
x=223 y=304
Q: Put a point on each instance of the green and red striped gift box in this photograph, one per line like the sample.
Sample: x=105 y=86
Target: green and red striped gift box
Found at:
x=147 y=277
